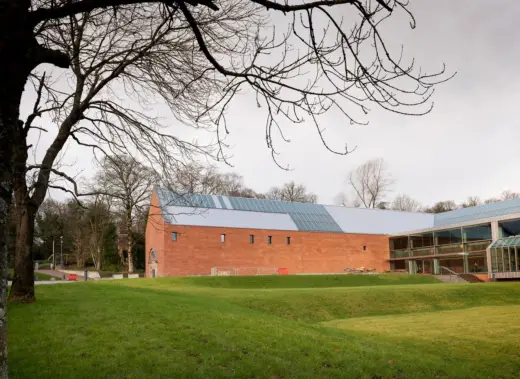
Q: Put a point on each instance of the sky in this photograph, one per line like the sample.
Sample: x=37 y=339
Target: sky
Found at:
x=467 y=145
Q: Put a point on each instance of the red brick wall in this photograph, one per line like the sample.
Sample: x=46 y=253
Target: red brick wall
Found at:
x=198 y=249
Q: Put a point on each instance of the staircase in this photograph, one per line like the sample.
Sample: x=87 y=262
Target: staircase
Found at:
x=450 y=276
x=450 y=279
x=470 y=278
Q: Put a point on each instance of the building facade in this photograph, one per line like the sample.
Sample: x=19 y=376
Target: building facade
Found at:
x=479 y=240
x=200 y=234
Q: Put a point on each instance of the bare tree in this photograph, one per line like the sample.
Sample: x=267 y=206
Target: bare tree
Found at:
x=471 y=201
x=341 y=199
x=343 y=64
x=99 y=216
x=130 y=183
x=114 y=59
x=291 y=192
x=508 y=195
x=405 y=203
x=442 y=206
x=197 y=178
x=371 y=182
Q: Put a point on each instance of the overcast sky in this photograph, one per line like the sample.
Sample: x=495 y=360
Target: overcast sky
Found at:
x=468 y=144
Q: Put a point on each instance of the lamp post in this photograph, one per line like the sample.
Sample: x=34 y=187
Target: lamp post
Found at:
x=61 y=252
x=53 y=255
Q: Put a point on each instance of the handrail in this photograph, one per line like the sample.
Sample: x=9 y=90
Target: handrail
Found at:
x=449 y=270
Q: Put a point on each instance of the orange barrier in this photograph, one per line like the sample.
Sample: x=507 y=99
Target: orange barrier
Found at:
x=72 y=277
x=283 y=271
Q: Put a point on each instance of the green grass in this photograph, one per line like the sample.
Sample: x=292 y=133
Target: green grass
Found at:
x=42 y=276
x=300 y=281
x=237 y=328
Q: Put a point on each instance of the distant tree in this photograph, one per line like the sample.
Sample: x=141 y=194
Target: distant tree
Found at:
x=341 y=199
x=492 y=200
x=110 y=253
x=508 y=195
x=291 y=192
x=138 y=250
x=99 y=217
x=50 y=226
x=442 y=206
x=471 y=201
x=78 y=230
x=130 y=183
x=196 y=178
x=405 y=203
x=371 y=182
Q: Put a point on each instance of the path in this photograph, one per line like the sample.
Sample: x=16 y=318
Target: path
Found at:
x=55 y=273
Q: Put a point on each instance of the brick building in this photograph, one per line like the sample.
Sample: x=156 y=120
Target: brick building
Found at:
x=207 y=234
x=191 y=235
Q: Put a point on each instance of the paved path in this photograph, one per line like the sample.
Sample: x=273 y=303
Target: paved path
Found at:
x=38 y=282
x=55 y=273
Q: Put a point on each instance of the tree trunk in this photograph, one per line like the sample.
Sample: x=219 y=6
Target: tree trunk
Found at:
x=99 y=257
x=22 y=290
x=130 y=240
x=14 y=70
x=5 y=203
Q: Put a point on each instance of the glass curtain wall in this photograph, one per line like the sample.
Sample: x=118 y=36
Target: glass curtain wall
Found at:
x=462 y=250
x=504 y=255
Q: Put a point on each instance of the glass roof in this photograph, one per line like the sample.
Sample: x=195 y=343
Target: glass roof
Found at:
x=307 y=217
x=507 y=242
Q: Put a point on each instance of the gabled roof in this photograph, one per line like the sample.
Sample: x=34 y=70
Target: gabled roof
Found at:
x=237 y=212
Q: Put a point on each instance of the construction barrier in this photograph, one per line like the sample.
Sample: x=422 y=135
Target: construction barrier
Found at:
x=72 y=277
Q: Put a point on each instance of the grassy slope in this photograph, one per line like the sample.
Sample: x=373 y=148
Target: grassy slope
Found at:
x=167 y=328
x=298 y=281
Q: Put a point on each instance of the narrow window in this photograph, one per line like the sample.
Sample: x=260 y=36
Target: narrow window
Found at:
x=251 y=238
x=288 y=240
x=222 y=238
x=364 y=248
x=269 y=240
x=174 y=236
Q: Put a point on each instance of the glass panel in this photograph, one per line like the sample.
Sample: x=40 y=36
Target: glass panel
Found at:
x=398 y=243
x=477 y=264
x=423 y=251
x=454 y=264
x=422 y=240
x=448 y=237
x=450 y=249
x=477 y=233
x=510 y=228
x=399 y=254
x=479 y=246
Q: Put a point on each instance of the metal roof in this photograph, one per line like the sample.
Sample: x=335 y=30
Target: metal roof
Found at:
x=479 y=212
x=306 y=217
x=377 y=221
x=226 y=211
x=227 y=219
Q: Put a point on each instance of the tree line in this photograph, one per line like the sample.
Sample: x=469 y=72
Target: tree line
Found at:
x=371 y=183
x=106 y=230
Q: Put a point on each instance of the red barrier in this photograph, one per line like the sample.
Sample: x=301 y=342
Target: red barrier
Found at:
x=283 y=271
x=73 y=277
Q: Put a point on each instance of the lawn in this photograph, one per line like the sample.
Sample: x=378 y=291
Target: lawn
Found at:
x=272 y=327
